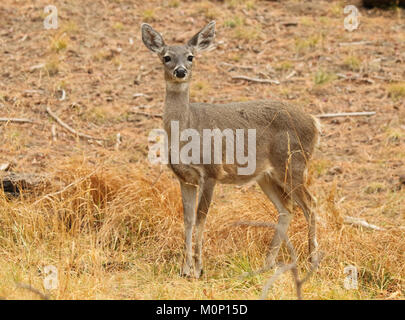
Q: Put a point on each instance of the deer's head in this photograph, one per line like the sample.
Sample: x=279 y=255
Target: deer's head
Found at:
x=178 y=60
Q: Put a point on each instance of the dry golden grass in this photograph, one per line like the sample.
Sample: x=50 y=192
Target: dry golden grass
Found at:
x=112 y=233
x=113 y=227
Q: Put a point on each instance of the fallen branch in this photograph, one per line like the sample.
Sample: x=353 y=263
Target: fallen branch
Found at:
x=14 y=182
x=69 y=128
x=155 y=115
x=283 y=267
x=158 y=177
x=355 y=43
x=355 y=77
x=289 y=23
x=391 y=79
x=293 y=73
x=37 y=66
x=137 y=95
x=346 y=114
x=76 y=182
x=33 y=290
x=256 y=79
x=33 y=91
x=361 y=223
x=16 y=120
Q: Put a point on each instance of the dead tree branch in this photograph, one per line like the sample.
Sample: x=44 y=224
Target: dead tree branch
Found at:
x=361 y=223
x=33 y=290
x=16 y=120
x=150 y=115
x=346 y=114
x=74 y=183
x=283 y=267
x=256 y=79
x=69 y=128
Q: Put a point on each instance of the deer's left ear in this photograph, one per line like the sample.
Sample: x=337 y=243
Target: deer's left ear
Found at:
x=204 y=38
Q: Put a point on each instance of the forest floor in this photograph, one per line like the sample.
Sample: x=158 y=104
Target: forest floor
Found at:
x=111 y=223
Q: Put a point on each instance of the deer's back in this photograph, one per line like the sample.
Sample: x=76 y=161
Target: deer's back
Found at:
x=285 y=134
x=268 y=117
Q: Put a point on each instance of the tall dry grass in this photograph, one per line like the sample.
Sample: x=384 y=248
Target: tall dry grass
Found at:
x=116 y=232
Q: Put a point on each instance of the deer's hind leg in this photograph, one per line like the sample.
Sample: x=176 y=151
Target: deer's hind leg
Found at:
x=277 y=197
x=305 y=200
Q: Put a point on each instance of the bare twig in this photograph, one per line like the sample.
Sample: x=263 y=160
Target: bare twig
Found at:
x=293 y=73
x=346 y=114
x=54 y=134
x=355 y=77
x=256 y=79
x=274 y=277
x=16 y=120
x=33 y=290
x=136 y=95
x=158 y=177
x=361 y=223
x=69 y=128
x=289 y=23
x=390 y=79
x=76 y=182
x=118 y=141
x=354 y=43
x=37 y=66
x=155 y=115
x=283 y=267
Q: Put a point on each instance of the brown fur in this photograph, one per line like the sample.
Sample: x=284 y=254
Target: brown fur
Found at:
x=285 y=140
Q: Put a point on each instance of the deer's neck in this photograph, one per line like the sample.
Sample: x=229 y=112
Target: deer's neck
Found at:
x=177 y=104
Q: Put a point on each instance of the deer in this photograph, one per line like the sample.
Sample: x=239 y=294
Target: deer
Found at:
x=286 y=139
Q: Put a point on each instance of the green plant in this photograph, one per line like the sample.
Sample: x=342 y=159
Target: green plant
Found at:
x=52 y=67
x=302 y=45
x=322 y=77
x=396 y=91
x=59 y=43
x=284 y=66
x=174 y=3
x=149 y=15
x=247 y=33
x=235 y=22
x=352 y=63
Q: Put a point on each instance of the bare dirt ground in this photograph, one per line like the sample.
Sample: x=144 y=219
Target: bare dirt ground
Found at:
x=112 y=224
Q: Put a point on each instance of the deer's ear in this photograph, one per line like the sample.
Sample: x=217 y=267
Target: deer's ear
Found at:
x=152 y=39
x=203 y=39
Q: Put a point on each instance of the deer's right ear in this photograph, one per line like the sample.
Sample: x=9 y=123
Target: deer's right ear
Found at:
x=152 y=39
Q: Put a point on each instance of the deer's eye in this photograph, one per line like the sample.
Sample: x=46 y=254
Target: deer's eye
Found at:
x=190 y=58
x=167 y=58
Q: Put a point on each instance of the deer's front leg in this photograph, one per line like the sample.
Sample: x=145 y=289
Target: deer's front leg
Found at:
x=204 y=201
x=188 y=193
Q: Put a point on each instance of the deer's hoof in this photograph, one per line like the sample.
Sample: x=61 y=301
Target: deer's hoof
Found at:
x=198 y=273
x=186 y=271
x=189 y=272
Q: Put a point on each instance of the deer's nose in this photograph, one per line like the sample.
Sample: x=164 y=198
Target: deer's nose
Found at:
x=180 y=72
